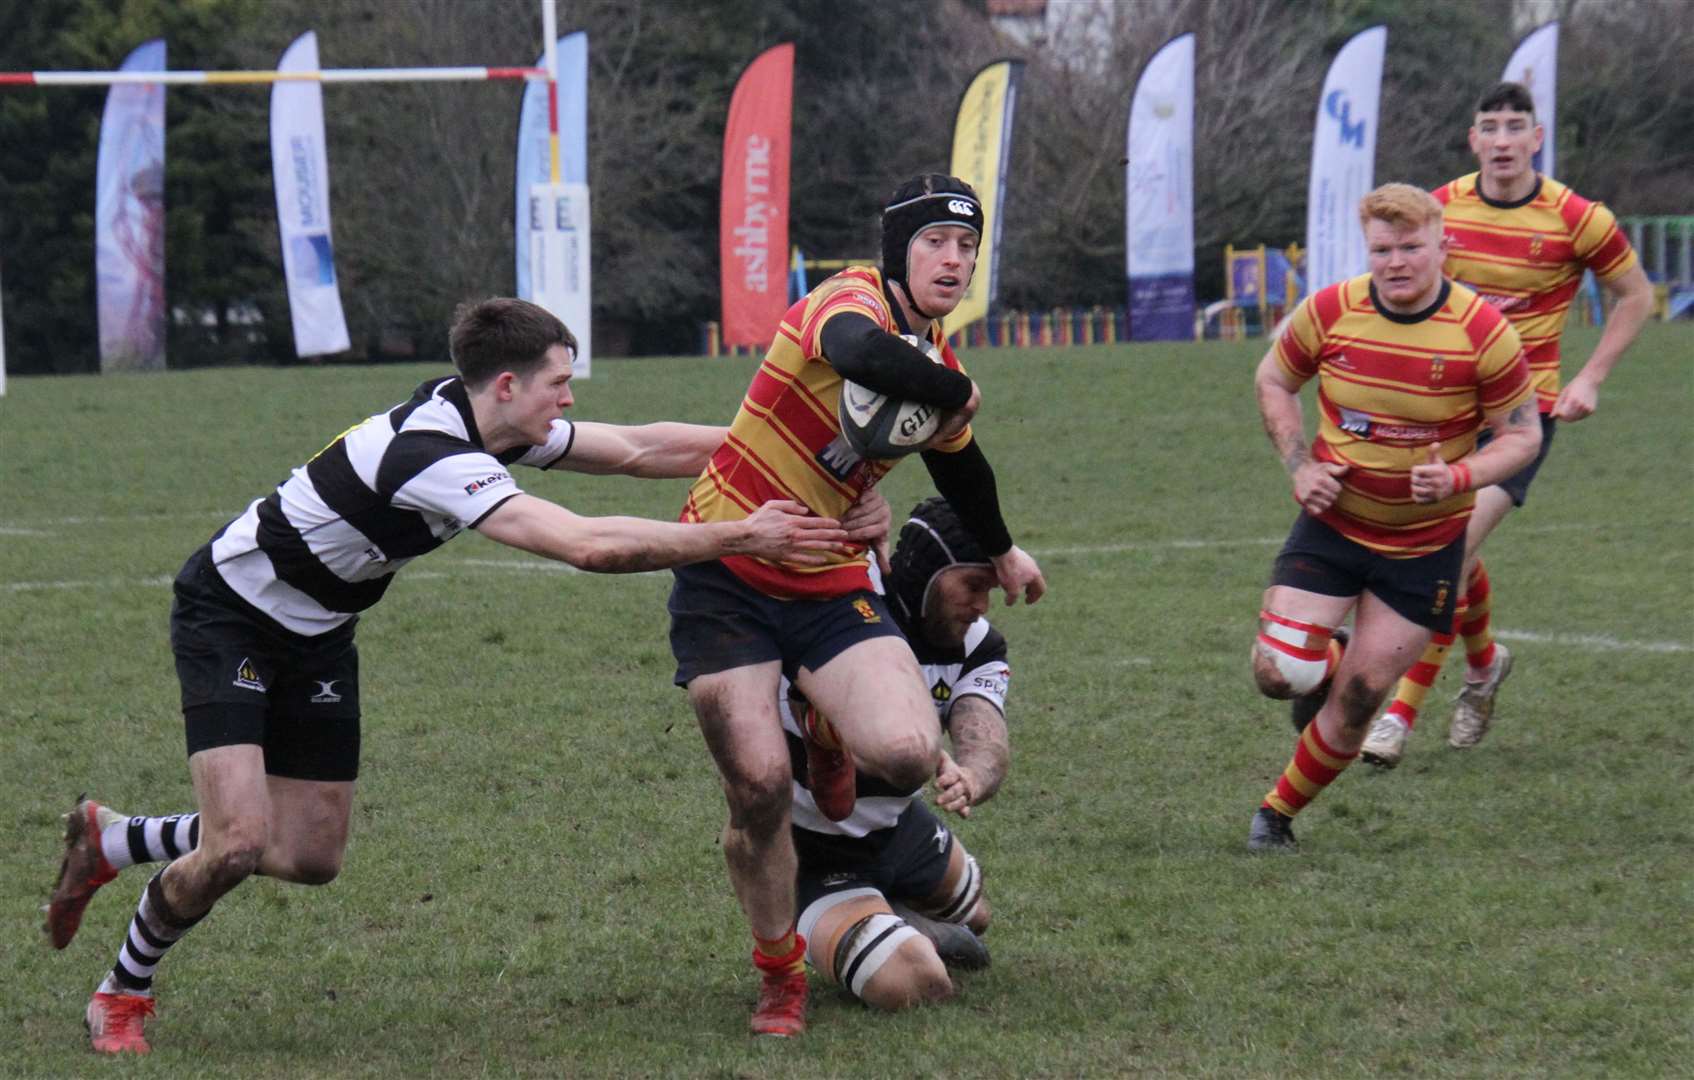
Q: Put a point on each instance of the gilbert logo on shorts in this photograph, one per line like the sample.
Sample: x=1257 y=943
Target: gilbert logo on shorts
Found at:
x=866 y=612
x=326 y=694
x=247 y=676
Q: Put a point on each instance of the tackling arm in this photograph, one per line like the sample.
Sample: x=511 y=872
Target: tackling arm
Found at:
x=1634 y=304
x=966 y=480
x=981 y=755
x=653 y=451
x=626 y=545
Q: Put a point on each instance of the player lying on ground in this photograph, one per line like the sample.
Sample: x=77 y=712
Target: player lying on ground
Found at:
x=889 y=899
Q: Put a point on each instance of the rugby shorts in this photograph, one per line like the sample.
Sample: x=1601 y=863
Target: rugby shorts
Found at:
x=1318 y=559
x=247 y=680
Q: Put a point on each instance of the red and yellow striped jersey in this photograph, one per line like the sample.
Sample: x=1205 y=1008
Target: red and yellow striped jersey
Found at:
x=785 y=441
x=1388 y=386
x=1527 y=258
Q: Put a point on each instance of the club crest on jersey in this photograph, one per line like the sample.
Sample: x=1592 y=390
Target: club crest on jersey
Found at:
x=941 y=692
x=866 y=612
x=247 y=676
x=1437 y=369
x=326 y=694
x=1536 y=243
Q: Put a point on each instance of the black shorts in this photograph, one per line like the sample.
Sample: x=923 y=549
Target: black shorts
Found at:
x=907 y=862
x=1318 y=559
x=246 y=679
x=1517 y=484
x=719 y=622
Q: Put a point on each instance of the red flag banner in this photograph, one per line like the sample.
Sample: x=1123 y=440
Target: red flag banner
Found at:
x=753 y=218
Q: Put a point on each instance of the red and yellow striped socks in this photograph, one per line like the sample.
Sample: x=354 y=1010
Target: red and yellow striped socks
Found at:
x=1314 y=766
x=1474 y=623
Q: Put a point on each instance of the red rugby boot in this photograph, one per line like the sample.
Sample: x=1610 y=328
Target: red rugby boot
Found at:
x=115 y=1022
x=83 y=869
x=781 y=1010
x=830 y=775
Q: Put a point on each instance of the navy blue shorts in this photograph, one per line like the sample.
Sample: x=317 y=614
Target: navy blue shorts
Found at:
x=1517 y=484
x=1318 y=559
x=907 y=862
x=719 y=622
x=247 y=680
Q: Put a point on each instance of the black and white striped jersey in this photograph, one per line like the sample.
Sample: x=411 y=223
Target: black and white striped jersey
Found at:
x=325 y=544
x=980 y=671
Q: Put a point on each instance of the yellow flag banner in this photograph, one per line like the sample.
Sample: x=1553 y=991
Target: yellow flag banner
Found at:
x=982 y=137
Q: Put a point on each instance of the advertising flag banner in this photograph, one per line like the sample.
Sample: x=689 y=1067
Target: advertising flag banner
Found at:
x=1535 y=63
x=300 y=168
x=1159 y=187
x=559 y=269
x=1343 y=159
x=534 y=164
x=982 y=142
x=753 y=208
x=129 y=220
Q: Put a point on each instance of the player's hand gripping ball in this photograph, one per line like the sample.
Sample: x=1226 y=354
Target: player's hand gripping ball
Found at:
x=878 y=426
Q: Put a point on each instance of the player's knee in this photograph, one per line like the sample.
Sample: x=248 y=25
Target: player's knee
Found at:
x=759 y=800
x=912 y=976
x=316 y=868
x=981 y=917
x=232 y=858
x=1290 y=658
x=908 y=760
x=1361 y=697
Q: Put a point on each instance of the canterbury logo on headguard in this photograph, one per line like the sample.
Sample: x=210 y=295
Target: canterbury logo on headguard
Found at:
x=960 y=206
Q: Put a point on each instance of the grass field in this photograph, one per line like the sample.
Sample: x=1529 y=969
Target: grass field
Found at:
x=534 y=886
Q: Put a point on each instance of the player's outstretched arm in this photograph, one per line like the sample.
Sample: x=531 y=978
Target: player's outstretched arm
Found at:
x=1634 y=295
x=782 y=531
x=664 y=450
x=981 y=755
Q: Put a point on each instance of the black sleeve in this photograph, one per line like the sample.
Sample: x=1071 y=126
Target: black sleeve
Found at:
x=872 y=357
x=966 y=481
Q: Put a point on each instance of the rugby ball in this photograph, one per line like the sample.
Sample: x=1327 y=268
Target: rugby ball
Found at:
x=878 y=426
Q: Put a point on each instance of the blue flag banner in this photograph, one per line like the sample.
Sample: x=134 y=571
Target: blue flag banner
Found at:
x=534 y=157
x=129 y=220
x=1159 y=203
x=300 y=169
x=1343 y=160
x=1535 y=63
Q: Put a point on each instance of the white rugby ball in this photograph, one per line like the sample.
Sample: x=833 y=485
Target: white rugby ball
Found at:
x=878 y=426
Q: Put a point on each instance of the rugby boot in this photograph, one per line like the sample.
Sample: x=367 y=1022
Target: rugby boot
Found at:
x=1475 y=709
x=115 y=1022
x=82 y=870
x=1303 y=708
x=781 y=1010
x=1385 y=744
x=1271 y=831
x=830 y=775
x=956 y=944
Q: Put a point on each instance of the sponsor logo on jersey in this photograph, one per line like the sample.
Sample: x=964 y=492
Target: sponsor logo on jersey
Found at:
x=1355 y=422
x=867 y=299
x=1505 y=304
x=487 y=482
x=839 y=458
x=247 y=676
x=326 y=694
x=866 y=612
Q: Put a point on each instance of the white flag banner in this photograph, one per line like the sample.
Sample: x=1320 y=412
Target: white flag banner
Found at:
x=1160 y=181
x=1535 y=63
x=1343 y=160
x=300 y=166
x=558 y=261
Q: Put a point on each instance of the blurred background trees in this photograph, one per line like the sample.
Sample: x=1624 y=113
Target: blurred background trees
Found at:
x=421 y=175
